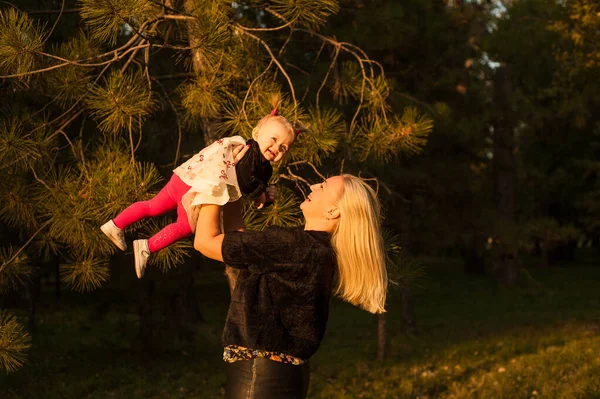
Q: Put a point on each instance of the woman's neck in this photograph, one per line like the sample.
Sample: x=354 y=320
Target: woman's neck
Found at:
x=320 y=225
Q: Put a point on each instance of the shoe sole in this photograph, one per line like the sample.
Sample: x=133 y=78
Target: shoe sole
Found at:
x=116 y=240
x=139 y=268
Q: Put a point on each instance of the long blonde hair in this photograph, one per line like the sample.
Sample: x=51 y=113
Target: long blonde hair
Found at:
x=358 y=244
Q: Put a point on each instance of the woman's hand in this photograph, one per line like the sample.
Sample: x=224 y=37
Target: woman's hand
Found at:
x=268 y=196
x=239 y=152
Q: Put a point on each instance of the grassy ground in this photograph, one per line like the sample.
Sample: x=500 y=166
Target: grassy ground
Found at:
x=476 y=340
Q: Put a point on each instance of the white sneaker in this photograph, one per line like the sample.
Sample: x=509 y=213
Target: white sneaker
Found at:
x=141 y=253
x=116 y=235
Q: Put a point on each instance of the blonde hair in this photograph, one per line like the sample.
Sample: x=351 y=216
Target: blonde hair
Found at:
x=358 y=244
x=281 y=119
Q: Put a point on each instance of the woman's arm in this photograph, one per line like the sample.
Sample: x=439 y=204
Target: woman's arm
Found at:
x=232 y=217
x=208 y=239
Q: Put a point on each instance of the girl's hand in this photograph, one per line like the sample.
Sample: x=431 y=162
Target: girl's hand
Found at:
x=268 y=196
x=239 y=152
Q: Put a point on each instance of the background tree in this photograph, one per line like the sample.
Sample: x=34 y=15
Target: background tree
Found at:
x=106 y=96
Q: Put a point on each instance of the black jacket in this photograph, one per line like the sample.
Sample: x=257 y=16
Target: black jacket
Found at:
x=281 y=298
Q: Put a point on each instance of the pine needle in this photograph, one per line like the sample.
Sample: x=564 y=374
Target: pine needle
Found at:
x=17 y=205
x=20 y=41
x=70 y=83
x=122 y=98
x=106 y=18
x=16 y=272
x=203 y=96
x=14 y=343
x=285 y=211
x=310 y=13
x=325 y=130
x=17 y=150
x=85 y=274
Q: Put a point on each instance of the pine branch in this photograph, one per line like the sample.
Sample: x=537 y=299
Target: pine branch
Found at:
x=281 y=69
x=16 y=206
x=15 y=270
x=62 y=8
x=14 y=343
x=20 y=41
x=123 y=96
x=14 y=257
x=117 y=54
x=105 y=17
x=85 y=274
x=284 y=212
x=331 y=65
x=312 y=14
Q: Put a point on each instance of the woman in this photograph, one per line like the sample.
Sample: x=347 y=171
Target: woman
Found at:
x=279 y=308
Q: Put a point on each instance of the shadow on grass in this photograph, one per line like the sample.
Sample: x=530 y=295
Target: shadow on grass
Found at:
x=469 y=329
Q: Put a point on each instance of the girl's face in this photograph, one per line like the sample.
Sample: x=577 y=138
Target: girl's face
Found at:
x=274 y=140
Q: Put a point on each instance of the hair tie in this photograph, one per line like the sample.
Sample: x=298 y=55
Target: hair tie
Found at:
x=297 y=131
x=274 y=112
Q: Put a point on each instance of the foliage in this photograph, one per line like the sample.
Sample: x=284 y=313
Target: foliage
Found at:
x=97 y=94
x=15 y=271
x=123 y=100
x=20 y=41
x=14 y=342
x=106 y=18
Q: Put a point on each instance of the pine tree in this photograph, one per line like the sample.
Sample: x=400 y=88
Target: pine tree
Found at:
x=79 y=140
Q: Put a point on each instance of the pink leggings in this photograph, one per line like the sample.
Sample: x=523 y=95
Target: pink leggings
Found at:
x=166 y=200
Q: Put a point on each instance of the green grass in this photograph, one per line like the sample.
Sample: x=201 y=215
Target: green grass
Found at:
x=476 y=340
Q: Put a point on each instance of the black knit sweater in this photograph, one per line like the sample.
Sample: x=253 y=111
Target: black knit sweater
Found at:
x=281 y=298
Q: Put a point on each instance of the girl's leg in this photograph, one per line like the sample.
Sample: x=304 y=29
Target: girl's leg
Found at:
x=170 y=234
x=160 y=204
x=166 y=200
x=175 y=231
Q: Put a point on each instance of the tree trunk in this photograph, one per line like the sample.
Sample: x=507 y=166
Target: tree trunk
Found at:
x=564 y=252
x=145 y=313
x=473 y=255
x=381 y=336
x=407 y=314
x=504 y=167
x=56 y=261
x=200 y=65
x=404 y=210
x=545 y=257
x=33 y=295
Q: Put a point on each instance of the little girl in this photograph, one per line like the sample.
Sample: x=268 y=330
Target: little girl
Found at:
x=209 y=177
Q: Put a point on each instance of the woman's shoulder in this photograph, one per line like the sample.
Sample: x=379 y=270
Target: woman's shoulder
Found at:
x=300 y=233
x=277 y=244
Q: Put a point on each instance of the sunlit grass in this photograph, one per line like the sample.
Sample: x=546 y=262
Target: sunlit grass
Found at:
x=476 y=340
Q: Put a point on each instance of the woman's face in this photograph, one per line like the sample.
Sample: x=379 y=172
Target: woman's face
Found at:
x=323 y=198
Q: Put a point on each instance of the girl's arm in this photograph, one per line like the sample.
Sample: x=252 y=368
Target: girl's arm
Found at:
x=209 y=239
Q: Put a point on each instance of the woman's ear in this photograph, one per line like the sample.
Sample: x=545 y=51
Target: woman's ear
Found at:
x=332 y=213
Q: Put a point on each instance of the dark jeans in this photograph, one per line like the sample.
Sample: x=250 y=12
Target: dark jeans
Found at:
x=266 y=379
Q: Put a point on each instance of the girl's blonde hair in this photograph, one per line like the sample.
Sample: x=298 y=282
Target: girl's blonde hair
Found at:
x=358 y=244
x=281 y=119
